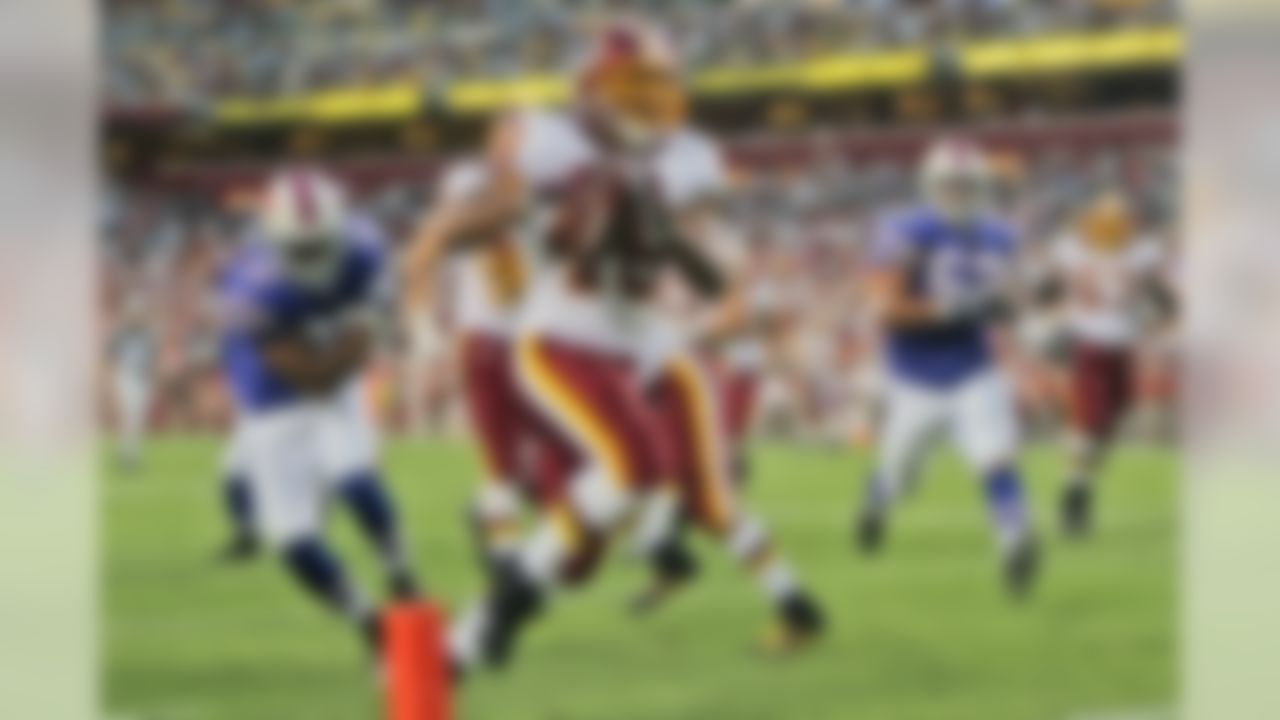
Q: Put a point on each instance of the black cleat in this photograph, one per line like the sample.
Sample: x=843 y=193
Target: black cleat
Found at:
x=374 y=642
x=869 y=532
x=515 y=601
x=674 y=567
x=1077 y=511
x=402 y=587
x=457 y=673
x=371 y=633
x=240 y=549
x=800 y=623
x=1022 y=566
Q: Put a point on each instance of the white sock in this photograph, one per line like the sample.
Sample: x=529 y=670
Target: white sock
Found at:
x=777 y=580
x=467 y=633
x=658 y=514
x=498 y=507
x=747 y=538
x=543 y=554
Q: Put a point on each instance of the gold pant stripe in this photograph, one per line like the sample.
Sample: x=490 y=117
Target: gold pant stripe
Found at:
x=572 y=414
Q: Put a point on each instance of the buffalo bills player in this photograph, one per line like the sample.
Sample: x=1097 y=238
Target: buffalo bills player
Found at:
x=938 y=281
x=298 y=299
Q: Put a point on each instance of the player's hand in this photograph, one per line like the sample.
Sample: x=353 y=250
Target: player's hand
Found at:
x=321 y=333
x=960 y=306
x=981 y=305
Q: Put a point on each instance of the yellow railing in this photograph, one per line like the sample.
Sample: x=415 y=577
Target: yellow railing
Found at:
x=386 y=102
x=1073 y=53
x=987 y=59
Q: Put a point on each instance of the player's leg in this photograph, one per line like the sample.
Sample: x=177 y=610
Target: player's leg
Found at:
x=578 y=398
x=349 y=458
x=740 y=390
x=984 y=425
x=494 y=409
x=237 y=500
x=913 y=417
x=563 y=390
x=1101 y=391
x=1087 y=397
x=288 y=493
x=698 y=465
x=238 y=503
x=133 y=403
x=713 y=502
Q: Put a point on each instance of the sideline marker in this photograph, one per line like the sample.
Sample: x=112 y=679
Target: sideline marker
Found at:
x=418 y=684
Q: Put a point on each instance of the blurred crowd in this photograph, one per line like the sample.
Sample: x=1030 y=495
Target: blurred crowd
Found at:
x=805 y=222
x=187 y=53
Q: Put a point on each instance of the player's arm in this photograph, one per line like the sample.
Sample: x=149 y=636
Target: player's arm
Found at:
x=892 y=274
x=1162 y=295
x=730 y=314
x=896 y=272
x=1014 y=356
x=1049 y=290
x=892 y=300
x=468 y=220
x=889 y=290
x=316 y=365
x=730 y=317
x=689 y=251
x=695 y=220
x=1052 y=288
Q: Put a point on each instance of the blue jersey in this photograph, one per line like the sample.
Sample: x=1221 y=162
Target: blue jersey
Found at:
x=260 y=301
x=944 y=262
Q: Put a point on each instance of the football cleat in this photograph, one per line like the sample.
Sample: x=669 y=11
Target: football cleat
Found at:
x=371 y=633
x=800 y=623
x=869 y=532
x=402 y=587
x=239 y=549
x=515 y=601
x=1077 y=511
x=1022 y=566
x=673 y=568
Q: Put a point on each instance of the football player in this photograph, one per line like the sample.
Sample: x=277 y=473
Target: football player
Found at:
x=299 y=329
x=604 y=179
x=491 y=279
x=1109 y=278
x=939 y=284
x=703 y=428
x=133 y=360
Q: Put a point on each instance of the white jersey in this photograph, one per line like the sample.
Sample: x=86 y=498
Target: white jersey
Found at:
x=553 y=149
x=490 y=283
x=1104 y=288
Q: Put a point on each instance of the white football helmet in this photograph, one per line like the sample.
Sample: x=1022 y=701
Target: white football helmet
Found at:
x=303 y=214
x=956 y=179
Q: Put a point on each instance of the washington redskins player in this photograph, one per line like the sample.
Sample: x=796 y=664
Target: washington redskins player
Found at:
x=1108 y=277
x=705 y=413
x=489 y=285
x=614 y=189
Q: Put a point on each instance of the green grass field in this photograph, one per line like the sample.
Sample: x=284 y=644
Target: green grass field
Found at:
x=921 y=633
